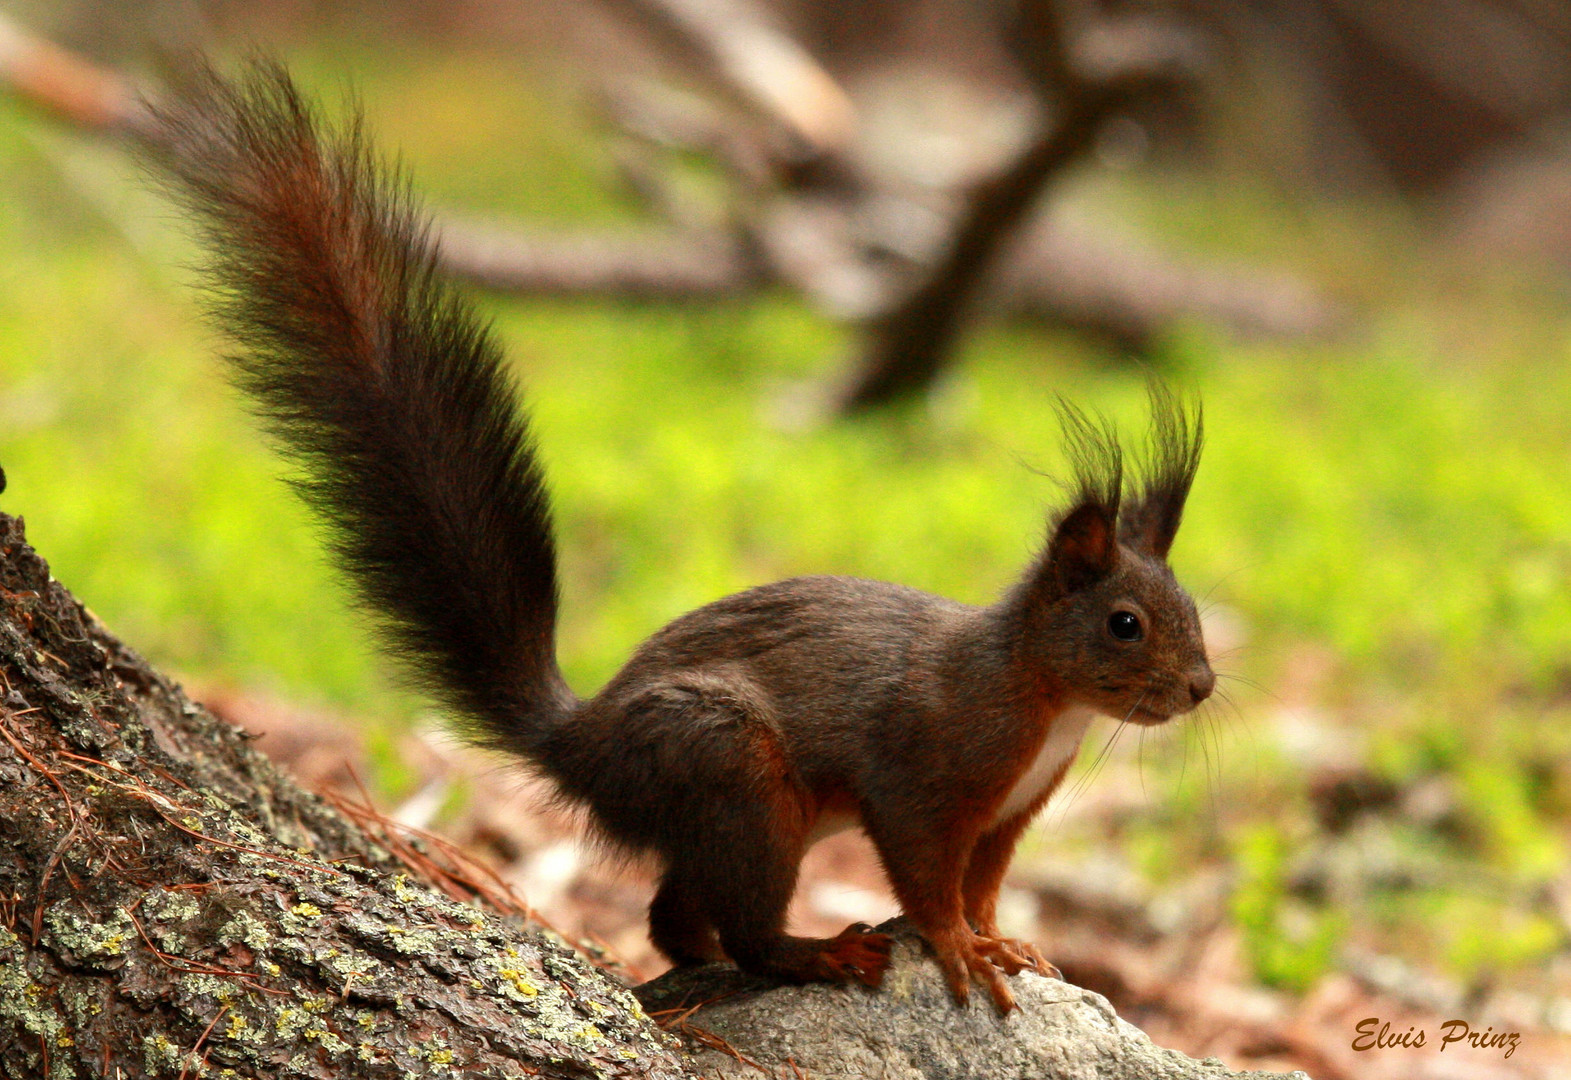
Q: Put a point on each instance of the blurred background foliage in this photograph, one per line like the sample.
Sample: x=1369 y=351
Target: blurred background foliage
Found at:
x=1380 y=534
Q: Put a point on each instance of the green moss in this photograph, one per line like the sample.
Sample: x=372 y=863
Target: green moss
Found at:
x=1289 y=944
x=172 y=905
x=224 y=990
x=352 y=964
x=26 y=1006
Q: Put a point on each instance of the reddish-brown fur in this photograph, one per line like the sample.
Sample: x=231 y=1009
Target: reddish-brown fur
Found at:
x=740 y=728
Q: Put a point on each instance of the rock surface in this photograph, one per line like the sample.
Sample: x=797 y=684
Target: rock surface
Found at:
x=910 y=1029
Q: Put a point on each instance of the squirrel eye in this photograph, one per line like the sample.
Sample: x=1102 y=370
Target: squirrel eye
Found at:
x=1124 y=625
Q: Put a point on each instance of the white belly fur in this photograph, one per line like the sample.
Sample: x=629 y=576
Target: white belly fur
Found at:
x=1063 y=740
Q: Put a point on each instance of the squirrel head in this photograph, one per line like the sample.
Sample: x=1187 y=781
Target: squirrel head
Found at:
x=1099 y=619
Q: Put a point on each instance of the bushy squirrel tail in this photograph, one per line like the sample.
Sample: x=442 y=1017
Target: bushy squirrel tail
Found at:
x=384 y=385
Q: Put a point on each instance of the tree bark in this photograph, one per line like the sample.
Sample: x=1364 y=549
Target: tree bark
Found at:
x=172 y=906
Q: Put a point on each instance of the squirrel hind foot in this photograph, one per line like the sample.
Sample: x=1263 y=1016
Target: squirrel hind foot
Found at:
x=854 y=955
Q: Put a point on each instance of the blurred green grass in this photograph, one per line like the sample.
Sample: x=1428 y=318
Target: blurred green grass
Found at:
x=1385 y=520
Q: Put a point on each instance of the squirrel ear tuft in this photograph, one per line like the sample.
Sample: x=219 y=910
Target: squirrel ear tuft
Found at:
x=1083 y=549
x=1084 y=544
x=1149 y=522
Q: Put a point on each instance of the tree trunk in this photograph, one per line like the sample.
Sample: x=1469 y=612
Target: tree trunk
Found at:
x=172 y=906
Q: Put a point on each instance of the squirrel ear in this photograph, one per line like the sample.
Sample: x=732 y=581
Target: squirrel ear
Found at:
x=1083 y=549
x=1150 y=523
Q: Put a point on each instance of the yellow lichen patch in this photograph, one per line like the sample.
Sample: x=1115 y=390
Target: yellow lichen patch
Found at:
x=70 y=932
x=159 y=1055
x=434 y=1052
x=402 y=890
x=519 y=983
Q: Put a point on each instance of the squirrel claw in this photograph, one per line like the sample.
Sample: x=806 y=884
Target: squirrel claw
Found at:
x=1006 y=952
x=987 y=959
x=1015 y=955
x=980 y=959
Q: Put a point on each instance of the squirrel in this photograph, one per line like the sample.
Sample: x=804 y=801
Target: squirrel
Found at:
x=745 y=730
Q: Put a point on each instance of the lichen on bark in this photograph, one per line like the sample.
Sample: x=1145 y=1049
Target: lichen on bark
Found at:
x=171 y=906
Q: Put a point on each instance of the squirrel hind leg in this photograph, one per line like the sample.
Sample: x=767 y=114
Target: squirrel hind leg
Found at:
x=732 y=836
x=746 y=900
x=679 y=926
x=738 y=878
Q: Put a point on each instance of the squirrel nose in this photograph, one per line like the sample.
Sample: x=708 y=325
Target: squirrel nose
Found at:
x=1201 y=685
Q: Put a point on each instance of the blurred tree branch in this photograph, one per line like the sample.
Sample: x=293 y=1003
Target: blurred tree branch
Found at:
x=75 y=89
x=738 y=53
x=1074 y=98
x=798 y=201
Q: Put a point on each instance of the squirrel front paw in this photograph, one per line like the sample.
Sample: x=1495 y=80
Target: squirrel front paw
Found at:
x=970 y=956
x=1015 y=955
